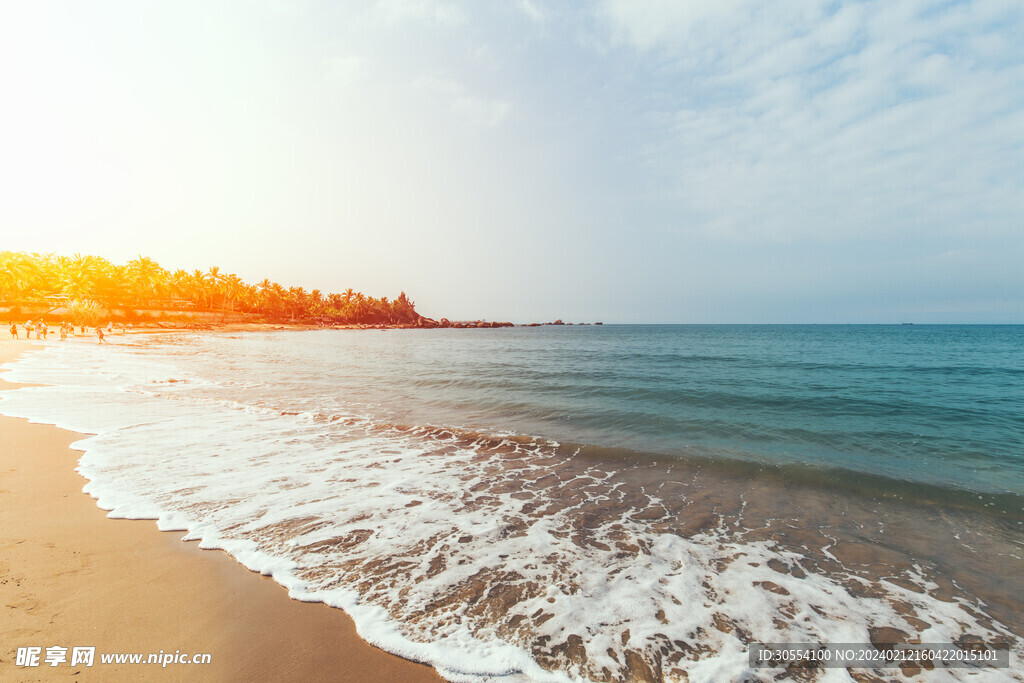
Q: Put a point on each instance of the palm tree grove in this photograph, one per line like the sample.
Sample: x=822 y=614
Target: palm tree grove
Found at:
x=87 y=289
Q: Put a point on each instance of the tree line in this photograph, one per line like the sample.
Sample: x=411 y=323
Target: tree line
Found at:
x=88 y=284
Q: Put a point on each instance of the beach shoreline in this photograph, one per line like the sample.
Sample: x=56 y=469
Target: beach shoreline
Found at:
x=70 y=577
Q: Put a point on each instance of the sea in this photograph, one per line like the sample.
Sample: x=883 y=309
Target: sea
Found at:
x=604 y=503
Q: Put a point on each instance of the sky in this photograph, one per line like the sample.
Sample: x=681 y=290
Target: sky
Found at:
x=631 y=161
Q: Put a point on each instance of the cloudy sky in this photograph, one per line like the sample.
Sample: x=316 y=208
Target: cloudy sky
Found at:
x=624 y=161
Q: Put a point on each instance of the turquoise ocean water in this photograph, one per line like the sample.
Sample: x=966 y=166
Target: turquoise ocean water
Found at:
x=941 y=405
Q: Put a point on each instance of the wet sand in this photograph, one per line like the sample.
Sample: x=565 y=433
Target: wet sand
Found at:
x=70 y=577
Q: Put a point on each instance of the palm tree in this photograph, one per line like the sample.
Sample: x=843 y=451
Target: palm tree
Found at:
x=16 y=272
x=199 y=288
x=144 y=274
x=178 y=285
x=76 y=282
x=215 y=282
x=404 y=309
x=265 y=288
x=112 y=283
x=250 y=297
x=359 y=304
x=297 y=301
x=272 y=298
x=278 y=299
x=233 y=287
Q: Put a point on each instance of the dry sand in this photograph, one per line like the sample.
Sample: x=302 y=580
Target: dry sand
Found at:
x=70 y=577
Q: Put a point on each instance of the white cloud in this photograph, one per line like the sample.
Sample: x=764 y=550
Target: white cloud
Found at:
x=783 y=123
x=473 y=109
x=534 y=12
x=427 y=11
x=481 y=112
x=651 y=23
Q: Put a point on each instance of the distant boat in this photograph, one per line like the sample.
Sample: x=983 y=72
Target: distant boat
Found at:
x=906 y=323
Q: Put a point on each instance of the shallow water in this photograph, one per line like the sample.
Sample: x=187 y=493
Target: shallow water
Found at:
x=579 y=502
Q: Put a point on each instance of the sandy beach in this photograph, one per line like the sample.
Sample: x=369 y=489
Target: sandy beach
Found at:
x=69 y=577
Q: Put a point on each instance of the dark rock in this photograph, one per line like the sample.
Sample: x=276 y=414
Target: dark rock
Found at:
x=883 y=637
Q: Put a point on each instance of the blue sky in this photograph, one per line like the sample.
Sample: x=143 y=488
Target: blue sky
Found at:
x=625 y=161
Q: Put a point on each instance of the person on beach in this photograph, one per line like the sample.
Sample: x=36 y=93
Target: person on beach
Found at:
x=99 y=334
x=42 y=330
x=63 y=332
x=28 y=330
x=14 y=331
